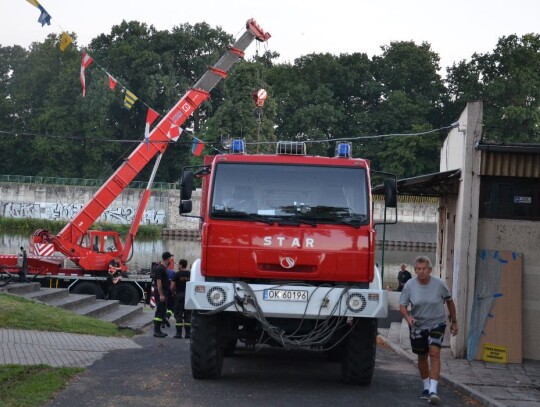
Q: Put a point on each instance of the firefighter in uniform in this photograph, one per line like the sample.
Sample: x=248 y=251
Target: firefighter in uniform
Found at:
x=160 y=293
x=178 y=287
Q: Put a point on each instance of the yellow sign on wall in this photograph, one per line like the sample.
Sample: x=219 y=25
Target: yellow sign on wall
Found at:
x=495 y=353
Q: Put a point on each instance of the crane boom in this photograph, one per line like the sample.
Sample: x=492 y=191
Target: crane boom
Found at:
x=167 y=130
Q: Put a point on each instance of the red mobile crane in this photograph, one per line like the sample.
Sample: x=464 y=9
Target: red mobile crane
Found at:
x=92 y=250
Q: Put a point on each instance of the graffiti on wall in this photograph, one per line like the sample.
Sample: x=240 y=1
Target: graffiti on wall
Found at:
x=56 y=211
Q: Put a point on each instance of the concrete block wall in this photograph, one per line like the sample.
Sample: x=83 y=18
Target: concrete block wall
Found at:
x=56 y=202
x=60 y=202
x=408 y=212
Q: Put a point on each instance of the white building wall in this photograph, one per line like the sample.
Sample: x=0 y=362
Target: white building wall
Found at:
x=458 y=152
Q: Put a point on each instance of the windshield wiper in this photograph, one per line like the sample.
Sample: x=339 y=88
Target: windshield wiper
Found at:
x=294 y=220
x=240 y=215
x=355 y=221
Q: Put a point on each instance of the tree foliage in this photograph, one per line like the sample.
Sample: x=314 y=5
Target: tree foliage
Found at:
x=319 y=98
x=508 y=81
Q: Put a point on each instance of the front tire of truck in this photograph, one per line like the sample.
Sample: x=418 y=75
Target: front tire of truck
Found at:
x=205 y=350
x=358 y=358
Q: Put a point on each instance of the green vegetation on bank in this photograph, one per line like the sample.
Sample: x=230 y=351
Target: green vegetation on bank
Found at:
x=27 y=225
x=29 y=386
x=32 y=386
x=20 y=313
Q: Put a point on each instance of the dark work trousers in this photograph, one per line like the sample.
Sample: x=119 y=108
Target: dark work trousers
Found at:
x=161 y=309
x=181 y=314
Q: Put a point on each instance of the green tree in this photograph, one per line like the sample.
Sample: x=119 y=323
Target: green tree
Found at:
x=10 y=153
x=238 y=116
x=308 y=108
x=507 y=80
x=412 y=100
x=159 y=67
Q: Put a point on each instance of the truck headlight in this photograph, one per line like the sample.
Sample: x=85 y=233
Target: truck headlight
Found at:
x=216 y=296
x=356 y=302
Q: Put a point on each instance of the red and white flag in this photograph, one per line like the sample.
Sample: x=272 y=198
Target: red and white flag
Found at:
x=86 y=61
x=112 y=82
x=151 y=116
x=174 y=132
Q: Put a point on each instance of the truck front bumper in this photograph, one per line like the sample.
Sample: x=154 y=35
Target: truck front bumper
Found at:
x=287 y=301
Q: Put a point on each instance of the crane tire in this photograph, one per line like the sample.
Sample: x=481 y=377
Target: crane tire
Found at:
x=127 y=294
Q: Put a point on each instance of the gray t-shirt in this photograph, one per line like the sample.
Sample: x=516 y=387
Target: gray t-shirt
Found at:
x=427 y=301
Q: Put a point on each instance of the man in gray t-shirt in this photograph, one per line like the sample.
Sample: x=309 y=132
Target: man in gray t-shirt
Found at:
x=427 y=301
x=426 y=296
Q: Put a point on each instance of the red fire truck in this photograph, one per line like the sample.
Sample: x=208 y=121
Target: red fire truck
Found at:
x=78 y=257
x=287 y=257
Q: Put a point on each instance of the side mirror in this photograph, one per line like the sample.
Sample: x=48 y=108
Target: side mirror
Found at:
x=390 y=193
x=185 y=206
x=186 y=187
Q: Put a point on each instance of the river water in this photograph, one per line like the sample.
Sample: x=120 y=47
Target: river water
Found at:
x=145 y=252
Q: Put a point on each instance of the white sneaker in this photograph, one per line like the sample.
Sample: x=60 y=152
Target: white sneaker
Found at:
x=434 y=398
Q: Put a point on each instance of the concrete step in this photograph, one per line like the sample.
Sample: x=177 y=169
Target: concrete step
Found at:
x=394 y=332
x=123 y=314
x=404 y=335
x=98 y=308
x=47 y=294
x=139 y=322
x=73 y=301
x=21 y=288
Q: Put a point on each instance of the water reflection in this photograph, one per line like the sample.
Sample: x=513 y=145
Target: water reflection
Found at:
x=146 y=252
x=392 y=260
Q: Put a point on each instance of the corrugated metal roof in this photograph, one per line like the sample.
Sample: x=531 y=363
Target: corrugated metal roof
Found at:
x=510 y=164
x=437 y=184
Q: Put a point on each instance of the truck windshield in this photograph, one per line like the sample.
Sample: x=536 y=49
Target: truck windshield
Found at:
x=277 y=192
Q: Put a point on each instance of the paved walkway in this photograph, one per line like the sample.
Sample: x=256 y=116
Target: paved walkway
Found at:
x=25 y=347
x=491 y=384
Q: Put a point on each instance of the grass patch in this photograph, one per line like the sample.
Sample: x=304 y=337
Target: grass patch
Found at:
x=29 y=386
x=20 y=313
x=28 y=225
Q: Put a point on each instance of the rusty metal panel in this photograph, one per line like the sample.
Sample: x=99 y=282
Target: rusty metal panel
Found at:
x=510 y=164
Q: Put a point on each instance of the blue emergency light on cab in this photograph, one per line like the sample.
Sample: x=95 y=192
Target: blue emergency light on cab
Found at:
x=238 y=146
x=343 y=150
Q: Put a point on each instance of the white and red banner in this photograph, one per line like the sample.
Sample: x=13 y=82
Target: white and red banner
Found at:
x=86 y=61
x=151 y=116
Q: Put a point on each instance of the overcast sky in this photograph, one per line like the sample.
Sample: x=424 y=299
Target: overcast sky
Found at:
x=455 y=29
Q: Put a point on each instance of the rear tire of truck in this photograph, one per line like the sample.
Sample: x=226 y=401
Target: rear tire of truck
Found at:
x=358 y=359
x=127 y=294
x=205 y=350
x=87 y=287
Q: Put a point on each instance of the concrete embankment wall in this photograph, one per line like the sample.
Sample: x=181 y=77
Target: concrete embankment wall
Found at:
x=60 y=202
x=417 y=218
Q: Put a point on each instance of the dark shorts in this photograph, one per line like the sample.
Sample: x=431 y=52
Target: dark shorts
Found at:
x=422 y=339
